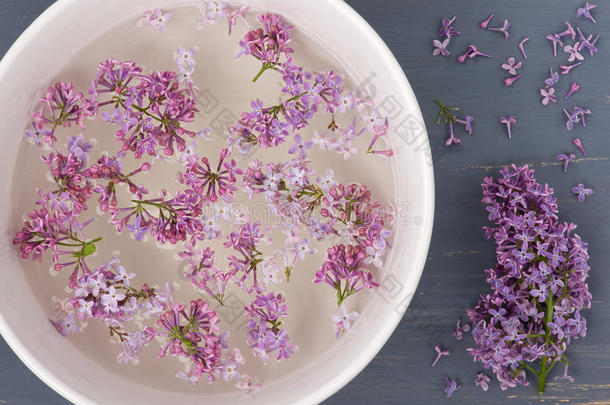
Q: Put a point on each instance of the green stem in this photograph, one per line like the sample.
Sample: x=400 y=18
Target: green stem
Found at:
x=542 y=375
x=544 y=368
x=266 y=66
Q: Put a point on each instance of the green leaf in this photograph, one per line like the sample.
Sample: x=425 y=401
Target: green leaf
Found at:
x=86 y=250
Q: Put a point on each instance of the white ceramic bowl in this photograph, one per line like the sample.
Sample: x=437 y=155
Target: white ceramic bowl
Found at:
x=79 y=371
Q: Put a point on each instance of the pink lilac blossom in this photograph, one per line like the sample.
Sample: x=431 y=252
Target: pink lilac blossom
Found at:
x=192 y=334
x=578 y=143
x=268 y=44
x=447 y=30
x=512 y=66
x=148 y=109
x=62 y=106
x=585 y=11
x=548 y=96
x=440 y=48
x=538 y=287
x=521 y=47
x=574 y=87
x=440 y=352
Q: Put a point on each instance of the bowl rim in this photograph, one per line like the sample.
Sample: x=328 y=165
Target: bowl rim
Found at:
x=378 y=340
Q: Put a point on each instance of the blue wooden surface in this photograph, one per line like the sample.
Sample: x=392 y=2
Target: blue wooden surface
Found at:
x=453 y=277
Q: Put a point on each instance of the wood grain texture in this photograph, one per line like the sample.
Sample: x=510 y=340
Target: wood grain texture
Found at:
x=453 y=277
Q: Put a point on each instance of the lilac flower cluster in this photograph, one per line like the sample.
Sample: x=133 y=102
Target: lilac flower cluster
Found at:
x=150 y=113
x=268 y=44
x=266 y=334
x=60 y=107
x=303 y=95
x=192 y=334
x=538 y=287
x=148 y=109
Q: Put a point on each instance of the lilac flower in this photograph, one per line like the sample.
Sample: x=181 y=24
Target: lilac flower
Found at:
x=548 y=95
x=585 y=11
x=471 y=53
x=554 y=78
x=509 y=81
x=211 y=183
x=565 y=375
x=460 y=330
x=587 y=42
x=577 y=116
x=568 y=32
x=566 y=158
x=574 y=87
x=565 y=69
x=111 y=299
x=138 y=229
x=485 y=23
x=572 y=51
x=556 y=40
x=440 y=352
x=452 y=387
x=185 y=57
x=467 y=122
x=521 y=47
x=440 y=48
x=300 y=146
x=512 y=66
x=503 y=29
x=581 y=192
x=249 y=384
x=343 y=320
x=482 y=380
x=511 y=120
x=578 y=143
x=452 y=138
x=80 y=148
x=155 y=19
x=528 y=293
x=217 y=9
x=446 y=30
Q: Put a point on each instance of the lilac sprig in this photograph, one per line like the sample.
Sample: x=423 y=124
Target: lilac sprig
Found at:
x=149 y=110
x=62 y=106
x=538 y=287
x=268 y=44
x=447 y=114
x=266 y=330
